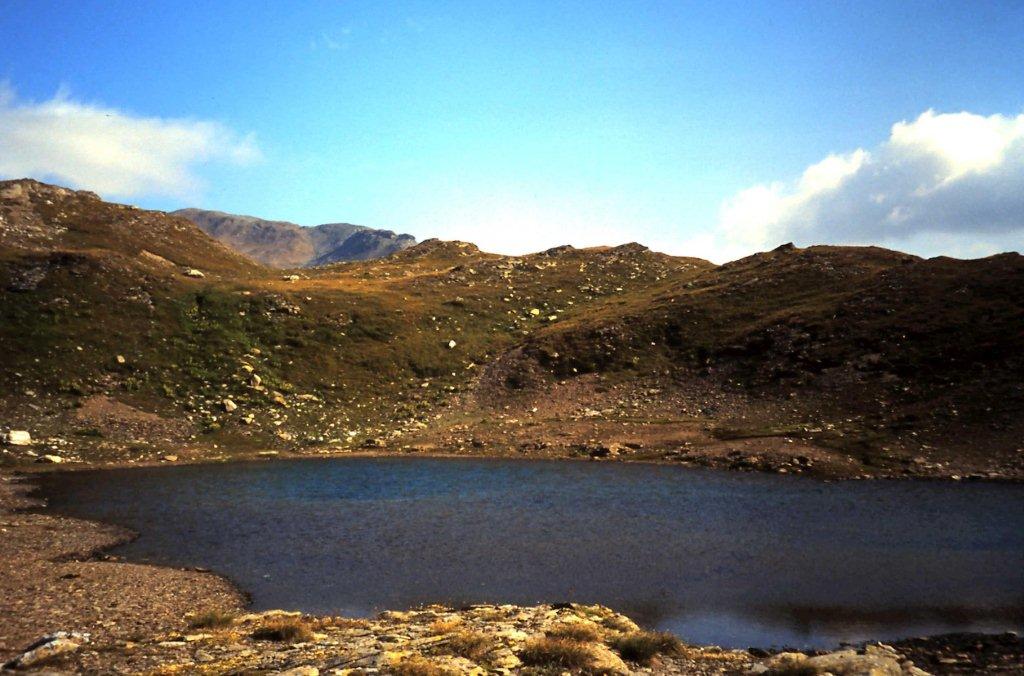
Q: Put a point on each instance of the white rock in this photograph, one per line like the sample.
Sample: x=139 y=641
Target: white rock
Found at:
x=52 y=459
x=229 y=405
x=47 y=647
x=451 y=344
x=192 y=272
x=18 y=438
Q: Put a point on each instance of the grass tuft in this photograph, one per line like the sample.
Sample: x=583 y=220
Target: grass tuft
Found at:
x=438 y=627
x=555 y=652
x=415 y=665
x=292 y=630
x=642 y=646
x=792 y=670
x=472 y=645
x=330 y=622
x=583 y=632
x=212 y=619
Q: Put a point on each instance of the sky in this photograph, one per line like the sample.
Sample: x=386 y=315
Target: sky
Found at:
x=713 y=129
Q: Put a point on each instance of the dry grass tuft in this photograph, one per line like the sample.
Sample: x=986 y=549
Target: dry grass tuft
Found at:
x=292 y=630
x=619 y=623
x=642 y=646
x=472 y=645
x=792 y=670
x=584 y=632
x=414 y=665
x=212 y=619
x=338 y=623
x=556 y=652
x=438 y=627
x=491 y=614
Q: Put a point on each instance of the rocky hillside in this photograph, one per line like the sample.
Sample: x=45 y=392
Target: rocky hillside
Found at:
x=129 y=334
x=281 y=244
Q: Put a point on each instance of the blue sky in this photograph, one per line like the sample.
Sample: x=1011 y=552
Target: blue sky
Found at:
x=521 y=125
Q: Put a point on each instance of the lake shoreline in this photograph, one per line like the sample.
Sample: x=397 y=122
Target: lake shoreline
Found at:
x=709 y=461
x=165 y=597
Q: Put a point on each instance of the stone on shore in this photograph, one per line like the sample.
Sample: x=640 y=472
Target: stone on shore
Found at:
x=48 y=647
x=876 y=660
x=18 y=438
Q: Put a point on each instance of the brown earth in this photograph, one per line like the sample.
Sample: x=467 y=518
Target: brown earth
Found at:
x=54 y=576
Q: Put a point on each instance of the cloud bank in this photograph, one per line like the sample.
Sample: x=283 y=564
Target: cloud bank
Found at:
x=944 y=183
x=109 y=151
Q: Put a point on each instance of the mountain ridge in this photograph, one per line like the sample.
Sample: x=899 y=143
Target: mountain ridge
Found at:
x=283 y=244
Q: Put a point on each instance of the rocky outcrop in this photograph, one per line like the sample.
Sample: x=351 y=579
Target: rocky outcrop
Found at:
x=874 y=660
x=433 y=640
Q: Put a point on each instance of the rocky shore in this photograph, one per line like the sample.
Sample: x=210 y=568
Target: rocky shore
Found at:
x=70 y=608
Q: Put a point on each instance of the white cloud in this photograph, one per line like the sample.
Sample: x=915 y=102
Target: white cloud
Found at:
x=943 y=183
x=109 y=151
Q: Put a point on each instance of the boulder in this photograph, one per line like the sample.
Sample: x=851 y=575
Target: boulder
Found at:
x=15 y=192
x=48 y=647
x=18 y=438
x=229 y=405
x=604 y=661
x=879 y=660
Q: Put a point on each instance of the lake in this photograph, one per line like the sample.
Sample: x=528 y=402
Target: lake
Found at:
x=726 y=558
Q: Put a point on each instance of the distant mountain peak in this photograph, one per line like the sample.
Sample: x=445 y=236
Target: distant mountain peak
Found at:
x=282 y=244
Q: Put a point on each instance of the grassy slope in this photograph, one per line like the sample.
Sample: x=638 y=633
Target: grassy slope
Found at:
x=359 y=350
x=349 y=346
x=887 y=347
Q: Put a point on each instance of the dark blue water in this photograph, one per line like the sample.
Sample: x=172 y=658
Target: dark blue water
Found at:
x=725 y=558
